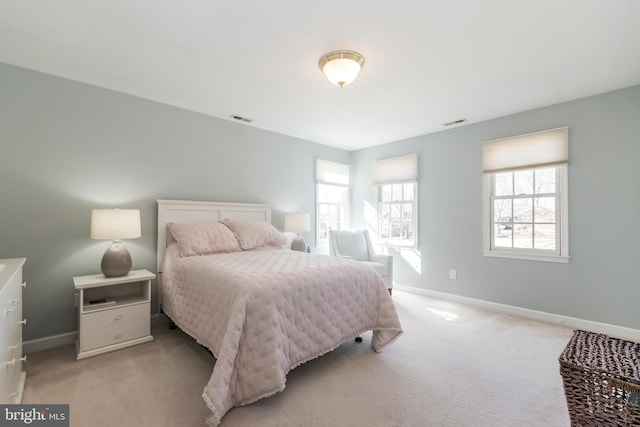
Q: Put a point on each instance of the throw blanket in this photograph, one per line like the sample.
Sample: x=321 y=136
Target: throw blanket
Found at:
x=264 y=312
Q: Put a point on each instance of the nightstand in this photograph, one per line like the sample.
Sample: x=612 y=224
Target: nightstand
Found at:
x=113 y=312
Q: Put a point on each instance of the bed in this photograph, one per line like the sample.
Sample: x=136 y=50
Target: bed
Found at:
x=261 y=309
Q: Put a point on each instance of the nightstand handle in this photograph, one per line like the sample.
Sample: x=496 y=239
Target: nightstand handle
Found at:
x=24 y=322
x=24 y=285
x=23 y=358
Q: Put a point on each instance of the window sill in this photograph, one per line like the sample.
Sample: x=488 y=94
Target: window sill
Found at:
x=398 y=247
x=528 y=257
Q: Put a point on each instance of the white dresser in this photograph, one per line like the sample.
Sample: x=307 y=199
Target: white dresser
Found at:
x=12 y=376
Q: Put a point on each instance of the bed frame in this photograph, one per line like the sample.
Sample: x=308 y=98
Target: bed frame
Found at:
x=181 y=211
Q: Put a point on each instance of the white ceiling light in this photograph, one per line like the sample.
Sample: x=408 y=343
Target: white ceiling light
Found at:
x=341 y=66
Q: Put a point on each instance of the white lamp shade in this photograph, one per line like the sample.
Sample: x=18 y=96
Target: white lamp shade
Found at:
x=297 y=222
x=115 y=224
x=341 y=72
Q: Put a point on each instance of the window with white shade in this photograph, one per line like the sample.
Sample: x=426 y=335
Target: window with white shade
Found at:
x=332 y=198
x=525 y=193
x=396 y=179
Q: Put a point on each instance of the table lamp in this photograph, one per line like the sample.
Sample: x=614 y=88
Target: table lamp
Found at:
x=297 y=223
x=115 y=224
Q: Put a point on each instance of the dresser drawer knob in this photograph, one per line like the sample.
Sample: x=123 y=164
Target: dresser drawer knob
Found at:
x=24 y=285
x=24 y=322
x=23 y=358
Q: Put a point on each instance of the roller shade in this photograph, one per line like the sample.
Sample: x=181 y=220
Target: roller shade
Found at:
x=546 y=148
x=395 y=170
x=328 y=172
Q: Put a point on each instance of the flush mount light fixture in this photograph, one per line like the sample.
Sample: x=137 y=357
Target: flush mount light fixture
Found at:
x=341 y=66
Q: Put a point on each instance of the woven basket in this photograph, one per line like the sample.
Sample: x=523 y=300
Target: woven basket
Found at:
x=601 y=380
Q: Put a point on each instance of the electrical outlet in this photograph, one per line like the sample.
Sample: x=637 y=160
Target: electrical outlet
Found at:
x=453 y=274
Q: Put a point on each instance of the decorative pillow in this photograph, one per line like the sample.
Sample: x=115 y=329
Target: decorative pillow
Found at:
x=253 y=234
x=204 y=238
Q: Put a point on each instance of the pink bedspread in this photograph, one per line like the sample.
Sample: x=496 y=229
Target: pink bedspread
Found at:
x=264 y=312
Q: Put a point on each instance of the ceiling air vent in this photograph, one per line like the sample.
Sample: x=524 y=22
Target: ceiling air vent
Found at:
x=240 y=118
x=455 y=122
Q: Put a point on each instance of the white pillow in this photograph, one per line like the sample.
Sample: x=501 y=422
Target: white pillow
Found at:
x=254 y=234
x=204 y=238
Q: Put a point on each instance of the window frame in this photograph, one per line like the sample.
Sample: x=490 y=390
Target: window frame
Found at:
x=561 y=253
x=414 y=220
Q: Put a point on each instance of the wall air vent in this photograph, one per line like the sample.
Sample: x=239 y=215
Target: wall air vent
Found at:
x=240 y=118
x=455 y=122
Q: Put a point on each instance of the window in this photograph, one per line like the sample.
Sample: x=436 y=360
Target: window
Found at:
x=526 y=202
x=332 y=210
x=332 y=199
x=396 y=179
x=396 y=214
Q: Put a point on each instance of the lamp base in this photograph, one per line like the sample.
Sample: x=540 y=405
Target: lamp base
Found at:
x=116 y=261
x=298 y=244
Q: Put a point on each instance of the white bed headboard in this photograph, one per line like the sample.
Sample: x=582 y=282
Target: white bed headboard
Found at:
x=181 y=211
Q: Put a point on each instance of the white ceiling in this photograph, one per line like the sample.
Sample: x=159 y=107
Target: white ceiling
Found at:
x=427 y=62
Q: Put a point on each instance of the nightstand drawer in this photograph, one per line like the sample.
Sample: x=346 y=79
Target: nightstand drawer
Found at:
x=115 y=316
x=115 y=334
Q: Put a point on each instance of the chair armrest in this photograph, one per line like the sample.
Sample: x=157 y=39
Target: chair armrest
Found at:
x=382 y=259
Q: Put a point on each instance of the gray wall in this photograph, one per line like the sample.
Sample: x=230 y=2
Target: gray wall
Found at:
x=66 y=148
x=601 y=281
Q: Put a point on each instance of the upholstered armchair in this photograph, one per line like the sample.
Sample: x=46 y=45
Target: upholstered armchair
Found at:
x=357 y=245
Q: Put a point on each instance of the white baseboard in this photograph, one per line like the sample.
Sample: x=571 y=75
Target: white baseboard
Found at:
x=47 y=343
x=571 y=322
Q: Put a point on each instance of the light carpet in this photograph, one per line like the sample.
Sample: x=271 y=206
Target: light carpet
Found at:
x=455 y=366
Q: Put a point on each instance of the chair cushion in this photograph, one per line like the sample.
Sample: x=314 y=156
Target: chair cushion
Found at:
x=381 y=269
x=352 y=244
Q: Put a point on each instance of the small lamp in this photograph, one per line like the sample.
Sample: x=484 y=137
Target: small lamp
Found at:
x=297 y=223
x=115 y=224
